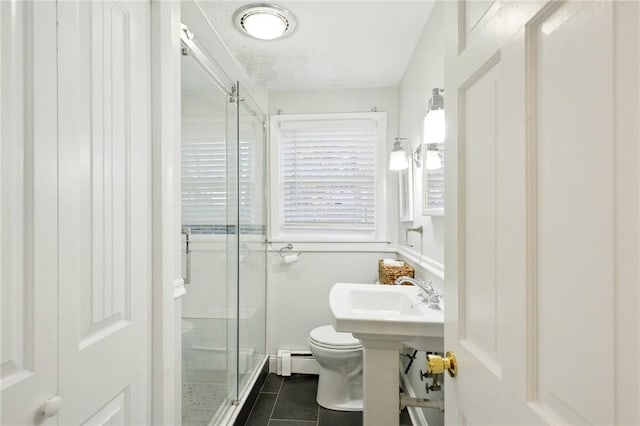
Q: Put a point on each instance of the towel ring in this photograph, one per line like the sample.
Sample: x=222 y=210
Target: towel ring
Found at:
x=287 y=247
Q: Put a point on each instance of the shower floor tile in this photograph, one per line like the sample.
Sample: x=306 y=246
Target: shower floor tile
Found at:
x=201 y=401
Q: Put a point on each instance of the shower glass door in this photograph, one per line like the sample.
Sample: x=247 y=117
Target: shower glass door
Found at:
x=224 y=262
x=252 y=239
x=209 y=320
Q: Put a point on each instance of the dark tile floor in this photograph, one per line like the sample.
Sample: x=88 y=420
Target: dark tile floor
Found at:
x=291 y=401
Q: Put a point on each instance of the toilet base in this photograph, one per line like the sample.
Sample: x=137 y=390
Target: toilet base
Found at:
x=354 y=405
x=337 y=392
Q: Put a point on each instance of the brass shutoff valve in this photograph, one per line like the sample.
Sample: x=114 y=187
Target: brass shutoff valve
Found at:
x=437 y=364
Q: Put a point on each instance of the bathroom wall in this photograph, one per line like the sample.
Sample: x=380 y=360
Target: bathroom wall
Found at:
x=424 y=72
x=298 y=293
x=339 y=100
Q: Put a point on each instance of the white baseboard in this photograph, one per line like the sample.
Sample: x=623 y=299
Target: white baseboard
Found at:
x=273 y=364
x=299 y=364
x=306 y=365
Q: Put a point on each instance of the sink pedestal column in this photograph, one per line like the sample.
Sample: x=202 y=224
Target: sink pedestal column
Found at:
x=380 y=380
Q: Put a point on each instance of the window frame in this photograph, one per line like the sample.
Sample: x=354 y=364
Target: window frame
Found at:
x=276 y=231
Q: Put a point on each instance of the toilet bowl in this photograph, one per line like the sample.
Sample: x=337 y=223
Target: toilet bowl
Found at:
x=340 y=359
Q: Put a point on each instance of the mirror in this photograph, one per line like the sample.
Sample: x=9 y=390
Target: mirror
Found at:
x=405 y=192
x=433 y=137
x=433 y=180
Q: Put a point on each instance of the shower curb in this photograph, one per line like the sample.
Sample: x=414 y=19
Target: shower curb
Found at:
x=245 y=410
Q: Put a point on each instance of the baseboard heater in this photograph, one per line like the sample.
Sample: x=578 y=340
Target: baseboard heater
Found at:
x=292 y=361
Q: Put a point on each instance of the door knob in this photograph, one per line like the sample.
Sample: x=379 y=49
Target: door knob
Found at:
x=437 y=364
x=51 y=406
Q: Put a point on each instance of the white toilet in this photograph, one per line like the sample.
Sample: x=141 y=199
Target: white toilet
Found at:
x=340 y=358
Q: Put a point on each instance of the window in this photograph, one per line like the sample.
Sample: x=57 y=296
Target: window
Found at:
x=328 y=177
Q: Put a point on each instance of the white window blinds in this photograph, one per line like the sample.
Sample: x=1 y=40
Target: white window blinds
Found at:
x=328 y=176
x=205 y=179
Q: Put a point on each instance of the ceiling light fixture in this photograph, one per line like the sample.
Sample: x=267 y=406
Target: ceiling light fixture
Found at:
x=264 y=22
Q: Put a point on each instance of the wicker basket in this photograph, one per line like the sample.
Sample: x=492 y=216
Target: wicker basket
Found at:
x=389 y=274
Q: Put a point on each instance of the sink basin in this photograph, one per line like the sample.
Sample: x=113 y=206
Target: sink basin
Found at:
x=387 y=312
x=384 y=317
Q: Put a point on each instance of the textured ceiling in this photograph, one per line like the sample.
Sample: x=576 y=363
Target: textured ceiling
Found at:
x=336 y=43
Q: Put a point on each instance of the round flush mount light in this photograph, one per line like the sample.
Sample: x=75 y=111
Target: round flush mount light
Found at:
x=264 y=22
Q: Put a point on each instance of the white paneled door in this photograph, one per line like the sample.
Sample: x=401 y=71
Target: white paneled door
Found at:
x=104 y=212
x=28 y=205
x=76 y=212
x=543 y=190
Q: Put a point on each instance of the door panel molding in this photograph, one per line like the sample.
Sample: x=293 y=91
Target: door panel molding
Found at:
x=17 y=214
x=105 y=210
x=28 y=196
x=560 y=140
x=108 y=297
x=115 y=412
x=567 y=214
x=473 y=14
x=477 y=291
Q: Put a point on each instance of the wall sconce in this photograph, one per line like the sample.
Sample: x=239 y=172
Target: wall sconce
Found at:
x=398 y=160
x=433 y=134
x=434 y=129
x=434 y=123
x=417 y=156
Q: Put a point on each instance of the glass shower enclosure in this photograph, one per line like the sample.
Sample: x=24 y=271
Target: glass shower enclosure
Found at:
x=224 y=241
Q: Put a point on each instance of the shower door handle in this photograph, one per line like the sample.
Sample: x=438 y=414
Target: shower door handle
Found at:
x=186 y=231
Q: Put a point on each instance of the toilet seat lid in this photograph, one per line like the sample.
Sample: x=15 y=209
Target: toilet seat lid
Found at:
x=327 y=336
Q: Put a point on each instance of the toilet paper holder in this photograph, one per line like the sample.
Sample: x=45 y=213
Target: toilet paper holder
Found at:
x=287 y=247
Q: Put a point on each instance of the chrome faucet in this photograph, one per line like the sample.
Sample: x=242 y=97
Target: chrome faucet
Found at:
x=428 y=292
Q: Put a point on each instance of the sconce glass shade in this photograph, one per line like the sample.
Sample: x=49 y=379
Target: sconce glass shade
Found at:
x=433 y=161
x=398 y=159
x=434 y=126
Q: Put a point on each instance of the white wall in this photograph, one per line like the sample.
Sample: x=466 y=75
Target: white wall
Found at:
x=337 y=100
x=424 y=72
x=298 y=294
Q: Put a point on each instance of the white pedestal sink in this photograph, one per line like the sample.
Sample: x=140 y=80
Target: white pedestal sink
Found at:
x=383 y=317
